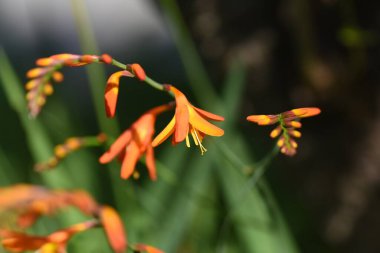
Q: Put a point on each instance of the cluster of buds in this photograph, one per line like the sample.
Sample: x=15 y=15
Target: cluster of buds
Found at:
x=288 y=122
x=47 y=71
x=28 y=202
x=70 y=145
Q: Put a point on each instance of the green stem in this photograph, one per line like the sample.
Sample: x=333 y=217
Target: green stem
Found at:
x=154 y=84
x=118 y=64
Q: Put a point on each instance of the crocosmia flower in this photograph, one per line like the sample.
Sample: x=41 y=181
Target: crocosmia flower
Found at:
x=53 y=243
x=287 y=122
x=112 y=88
x=112 y=91
x=188 y=119
x=134 y=142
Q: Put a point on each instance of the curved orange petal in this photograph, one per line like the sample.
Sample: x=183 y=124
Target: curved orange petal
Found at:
x=208 y=115
x=181 y=115
x=116 y=147
x=161 y=137
x=150 y=164
x=203 y=125
x=114 y=229
x=112 y=91
x=132 y=154
x=182 y=123
x=306 y=112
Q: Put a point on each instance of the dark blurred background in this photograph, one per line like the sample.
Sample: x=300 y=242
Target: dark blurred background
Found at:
x=297 y=53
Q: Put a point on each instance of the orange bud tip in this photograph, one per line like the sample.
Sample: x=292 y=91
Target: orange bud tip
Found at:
x=138 y=71
x=57 y=76
x=106 y=58
x=306 y=112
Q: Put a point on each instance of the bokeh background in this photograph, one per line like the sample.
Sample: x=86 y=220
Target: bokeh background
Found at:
x=293 y=53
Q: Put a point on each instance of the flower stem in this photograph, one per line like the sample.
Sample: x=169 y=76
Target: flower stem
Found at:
x=154 y=84
x=118 y=64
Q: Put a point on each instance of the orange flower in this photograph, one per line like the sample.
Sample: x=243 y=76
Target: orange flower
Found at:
x=29 y=202
x=112 y=88
x=134 y=142
x=114 y=229
x=188 y=119
x=146 y=248
x=53 y=243
x=288 y=121
x=112 y=91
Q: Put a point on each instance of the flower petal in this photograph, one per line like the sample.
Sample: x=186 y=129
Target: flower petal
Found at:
x=161 y=137
x=116 y=147
x=203 y=125
x=182 y=123
x=150 y=164
x=132 y=154
x=114 y=228
x=112 y=91
x=208 y=115
x=181 y=115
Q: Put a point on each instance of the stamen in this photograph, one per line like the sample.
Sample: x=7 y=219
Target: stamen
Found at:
x=187 y=141
x=201 y=147
x=194 y=136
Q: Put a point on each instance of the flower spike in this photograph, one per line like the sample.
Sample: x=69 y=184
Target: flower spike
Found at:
x=47 y=71
x=134 y=142
x=288 y=122
x=71 y=144
x=188 y=119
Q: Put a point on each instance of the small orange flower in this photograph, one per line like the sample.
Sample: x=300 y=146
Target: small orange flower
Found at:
x=53 y=243
x=112 y=91
x=288 y=122
x=134 y=142
x=188 y=119
x=112 y=88
x=146 y=248
x=114 y=228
